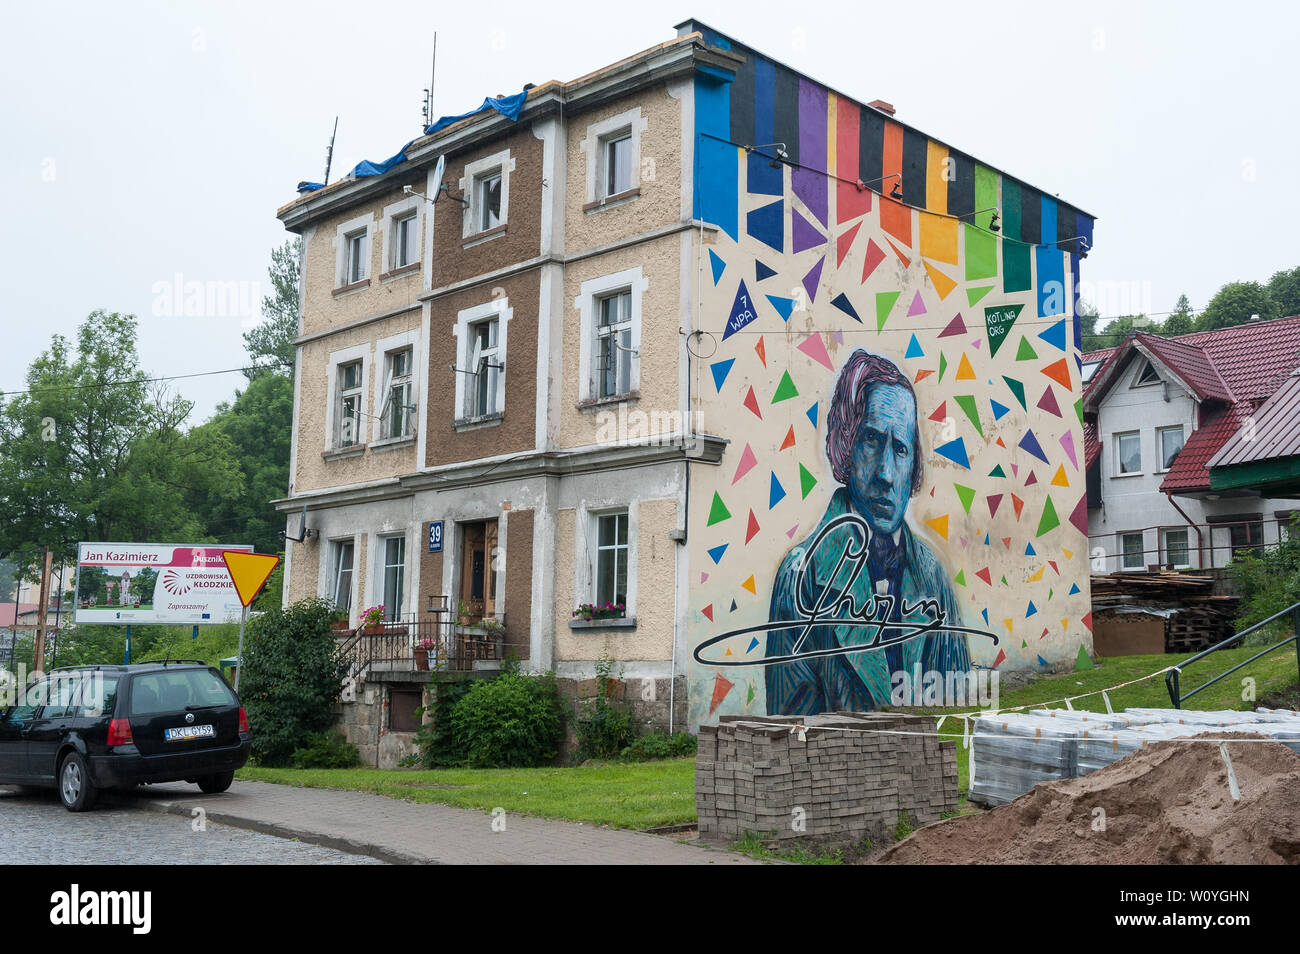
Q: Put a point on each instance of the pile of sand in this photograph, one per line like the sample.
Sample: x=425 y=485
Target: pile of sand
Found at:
x=1168 y=803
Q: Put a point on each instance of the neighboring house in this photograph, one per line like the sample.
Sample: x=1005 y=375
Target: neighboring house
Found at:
x=496 y=395
x=1156 y=411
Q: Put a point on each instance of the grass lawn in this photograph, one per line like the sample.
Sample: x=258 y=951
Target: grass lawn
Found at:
x=633 y=795
x=649 y=794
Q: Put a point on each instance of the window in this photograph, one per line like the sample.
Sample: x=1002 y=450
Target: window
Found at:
x=1171 y=442
x=394 y=576
x=1247 y=538
x=613 y=153
x=1173 y=547
x=153 y=693
x=486 y=185
x=1089 y=369
x=1146 y=375
x=617 y=163
x=406 y=235
x=348 y=418
x=481 y=333
x=1128 y=452
x=611 y=559
x=614 y=351
x=484 y=369
x=341 y=584
x=403 y=710
x=1131 y=548
x=610 y=306
x=357 y=253
x=397 y=415
x=489 y=201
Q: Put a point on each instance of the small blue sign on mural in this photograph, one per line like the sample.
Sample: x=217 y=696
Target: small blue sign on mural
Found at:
x=435 y=536
x=742 y=312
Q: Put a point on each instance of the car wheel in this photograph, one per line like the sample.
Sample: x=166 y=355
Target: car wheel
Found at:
x=76 y=790
x=212 y=784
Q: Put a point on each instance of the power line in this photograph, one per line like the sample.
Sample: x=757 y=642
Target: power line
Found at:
x=138 y=381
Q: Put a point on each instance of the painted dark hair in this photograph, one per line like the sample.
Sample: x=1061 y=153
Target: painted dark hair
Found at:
x=860 y=374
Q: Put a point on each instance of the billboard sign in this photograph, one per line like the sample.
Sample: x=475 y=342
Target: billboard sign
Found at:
x=165 y=583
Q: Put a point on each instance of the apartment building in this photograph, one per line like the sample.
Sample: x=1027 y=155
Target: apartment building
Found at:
x=1158 y=411
x=594 y=361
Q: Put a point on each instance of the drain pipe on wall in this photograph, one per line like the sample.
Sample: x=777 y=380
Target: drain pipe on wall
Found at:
x=1200 y=548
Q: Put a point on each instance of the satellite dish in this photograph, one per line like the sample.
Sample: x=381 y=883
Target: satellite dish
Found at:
x=436 y=189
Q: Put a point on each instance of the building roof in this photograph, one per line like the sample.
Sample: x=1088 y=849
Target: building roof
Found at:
x=1230 y=372
x=7 y=614
x=1274 y=434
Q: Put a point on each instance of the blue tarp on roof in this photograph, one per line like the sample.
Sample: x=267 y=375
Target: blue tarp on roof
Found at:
x=508 y=106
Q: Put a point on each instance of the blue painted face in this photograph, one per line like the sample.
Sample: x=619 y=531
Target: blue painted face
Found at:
x=884 y=453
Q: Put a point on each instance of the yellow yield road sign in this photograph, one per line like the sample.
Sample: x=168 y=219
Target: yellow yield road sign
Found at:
x=248 y=571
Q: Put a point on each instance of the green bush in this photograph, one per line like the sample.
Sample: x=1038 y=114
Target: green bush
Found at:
x=512 y=721
x=436 y=739
x=604 y=728
x=1268 y=582
x=291 y=678
x=660 y=745
x=327 y=750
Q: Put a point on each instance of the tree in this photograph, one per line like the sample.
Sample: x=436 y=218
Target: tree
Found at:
x=1284 y=290
x=1234 y=304
x=1181 y=321
x=1117 y=329
x=93 y=451
x=270 y=344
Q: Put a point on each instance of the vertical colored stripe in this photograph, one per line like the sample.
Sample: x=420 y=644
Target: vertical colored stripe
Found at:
x=1047 y=220
x=1011 y=209
x=937 y=178
x=1016 y=271
x=850 y=201
x=961 y=187
x=1074 y=301
x=915 y=146
x=762 y=178
x=786 y=113
x=1031 y=208
x=1049 y=268
x=892 y=158
x=871 y=146
x=810 y=181
x=986 y=194
x=832 y=104
x=717 y=187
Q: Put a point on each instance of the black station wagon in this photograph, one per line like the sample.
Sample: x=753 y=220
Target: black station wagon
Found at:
x=88 y=728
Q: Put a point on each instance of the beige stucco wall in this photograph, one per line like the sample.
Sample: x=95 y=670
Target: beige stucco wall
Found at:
x=660 y=263
x=321 y=308
x=652 y=640
x=314 y=472
x=304 y=569
x=659 y=172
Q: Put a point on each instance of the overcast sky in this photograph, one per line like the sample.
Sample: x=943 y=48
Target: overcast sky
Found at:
x=140 y=142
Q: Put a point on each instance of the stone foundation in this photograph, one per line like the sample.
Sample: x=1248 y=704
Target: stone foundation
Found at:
x=648 y=699
x=836 y=779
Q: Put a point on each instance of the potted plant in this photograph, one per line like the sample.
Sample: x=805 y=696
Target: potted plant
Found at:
x=372 y=620
x=339 y=622
x=421 y=652
x=590 y=611
x=495 y=630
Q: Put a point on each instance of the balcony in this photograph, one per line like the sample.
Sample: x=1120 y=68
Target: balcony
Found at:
x=435 y=641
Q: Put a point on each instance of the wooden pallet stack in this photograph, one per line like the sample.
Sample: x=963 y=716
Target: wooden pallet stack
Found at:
x=1194 y=618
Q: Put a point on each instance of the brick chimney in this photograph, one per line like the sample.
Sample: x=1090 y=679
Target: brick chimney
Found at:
x=883 y=106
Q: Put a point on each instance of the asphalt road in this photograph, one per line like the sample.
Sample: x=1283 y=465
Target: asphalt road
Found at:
x=36 y=829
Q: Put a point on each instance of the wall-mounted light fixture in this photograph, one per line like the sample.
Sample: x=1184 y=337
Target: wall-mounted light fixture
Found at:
x=994 y=225
x=895 y=193
x=775 y=161
x=1084 y=247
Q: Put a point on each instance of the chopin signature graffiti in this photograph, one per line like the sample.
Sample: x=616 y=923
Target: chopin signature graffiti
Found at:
x=863 y=598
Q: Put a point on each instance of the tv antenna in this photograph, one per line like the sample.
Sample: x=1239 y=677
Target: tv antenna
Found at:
x=428 y=93
x=329 y=152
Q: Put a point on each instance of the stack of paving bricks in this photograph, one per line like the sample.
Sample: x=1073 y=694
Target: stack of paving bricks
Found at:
x=836 y=778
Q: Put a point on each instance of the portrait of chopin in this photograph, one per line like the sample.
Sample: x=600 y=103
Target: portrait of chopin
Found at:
x=835 y=578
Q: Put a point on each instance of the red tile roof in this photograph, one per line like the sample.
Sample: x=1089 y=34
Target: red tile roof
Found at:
x=1231 y=371
x=7 y=612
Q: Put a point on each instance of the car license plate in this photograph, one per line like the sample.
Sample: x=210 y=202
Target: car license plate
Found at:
x=187 y=733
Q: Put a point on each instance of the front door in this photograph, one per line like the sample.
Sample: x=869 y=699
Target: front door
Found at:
x=478 y=581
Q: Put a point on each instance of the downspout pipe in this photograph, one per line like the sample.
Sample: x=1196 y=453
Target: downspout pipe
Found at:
x=1200 y=549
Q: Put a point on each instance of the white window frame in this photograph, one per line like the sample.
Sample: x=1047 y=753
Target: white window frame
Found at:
x=332 y=572
x=498 y=308
x=616 y=548
x=1160 y=443
x=599 y=134
x=382 y=565
x=1123 y=554
x=386 y=348
x=586 y=554
x=475 y=172
x=588 y=305
x=341 y=245
x=1141 y=370
x=394 y=215
x=1164 y=547
x=333 y=396
x=1119 y=457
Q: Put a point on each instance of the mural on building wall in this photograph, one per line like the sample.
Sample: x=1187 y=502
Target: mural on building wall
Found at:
x=902 y=492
